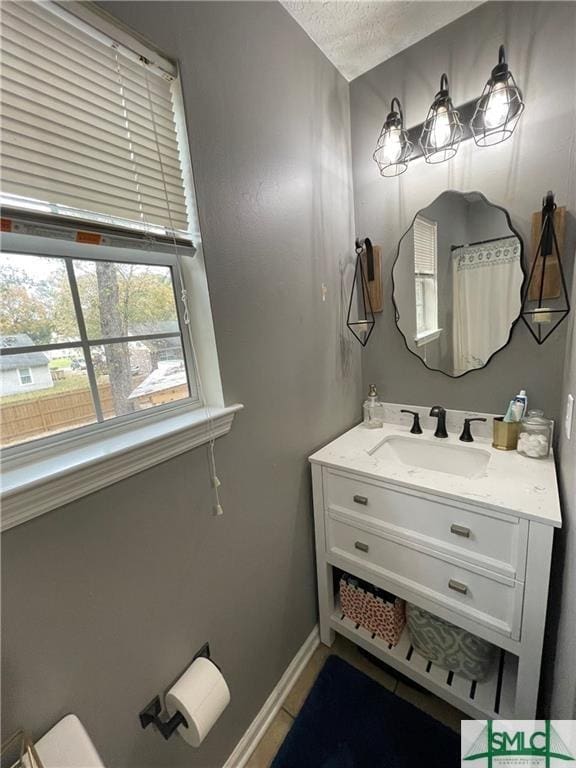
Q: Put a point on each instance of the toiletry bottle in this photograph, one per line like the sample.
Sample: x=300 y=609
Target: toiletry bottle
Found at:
x=517 y=408
x=521 y=405
x=510 y=415
x=373 y=409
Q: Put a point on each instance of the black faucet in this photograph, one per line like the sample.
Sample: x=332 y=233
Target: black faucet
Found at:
x=440 y=413
x=416 y=428
x=466 y=435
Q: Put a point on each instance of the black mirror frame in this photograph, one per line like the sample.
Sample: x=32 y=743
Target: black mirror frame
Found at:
x=522 y=267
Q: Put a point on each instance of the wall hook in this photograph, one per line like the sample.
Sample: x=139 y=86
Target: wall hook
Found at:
x=366 y=244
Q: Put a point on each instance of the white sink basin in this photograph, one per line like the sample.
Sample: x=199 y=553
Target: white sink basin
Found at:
x=435 y=455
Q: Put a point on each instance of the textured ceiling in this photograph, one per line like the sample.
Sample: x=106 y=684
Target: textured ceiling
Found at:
x=357 y=36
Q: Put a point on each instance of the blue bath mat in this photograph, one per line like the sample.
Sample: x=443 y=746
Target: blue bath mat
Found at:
x=350 y=721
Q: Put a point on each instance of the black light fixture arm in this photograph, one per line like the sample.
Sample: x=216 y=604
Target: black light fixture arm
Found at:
x=398 y=109
x=500 y=71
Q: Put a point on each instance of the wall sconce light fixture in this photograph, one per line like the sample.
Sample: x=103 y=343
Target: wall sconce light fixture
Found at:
x=442 y=130
x=499 y=107
x=393 y=148
x=546 y=302
x=489 y=119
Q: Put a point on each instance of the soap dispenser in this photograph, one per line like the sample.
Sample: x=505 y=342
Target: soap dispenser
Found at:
x=373 y=410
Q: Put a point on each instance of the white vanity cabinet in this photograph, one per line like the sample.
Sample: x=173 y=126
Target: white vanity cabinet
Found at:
x=475 y=551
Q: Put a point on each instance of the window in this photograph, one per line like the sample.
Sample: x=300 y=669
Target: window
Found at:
x=426 y=279
x=92 y=132
x=105 y=339
x=25 y=376
x=98 y=208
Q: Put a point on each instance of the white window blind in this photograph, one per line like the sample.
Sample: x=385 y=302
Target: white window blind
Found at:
x=424 y=246
x=425 y=276
x=87 y=130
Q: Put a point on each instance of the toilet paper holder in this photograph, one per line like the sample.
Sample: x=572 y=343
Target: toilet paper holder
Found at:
x=151 y=714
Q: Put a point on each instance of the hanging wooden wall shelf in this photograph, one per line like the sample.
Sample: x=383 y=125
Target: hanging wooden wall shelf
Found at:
x=552 y=278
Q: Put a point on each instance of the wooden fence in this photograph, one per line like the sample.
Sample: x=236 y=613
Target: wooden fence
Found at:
x=54 y=413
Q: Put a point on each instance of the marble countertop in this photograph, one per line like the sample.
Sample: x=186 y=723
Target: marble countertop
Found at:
x=510 y=483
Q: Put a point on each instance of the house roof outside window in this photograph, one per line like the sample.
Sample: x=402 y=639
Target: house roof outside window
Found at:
x=23 y=360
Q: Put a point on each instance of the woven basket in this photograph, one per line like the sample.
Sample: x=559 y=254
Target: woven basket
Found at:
x=373 y=609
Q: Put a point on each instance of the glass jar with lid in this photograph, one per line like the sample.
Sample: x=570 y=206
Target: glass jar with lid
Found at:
x=535 y=436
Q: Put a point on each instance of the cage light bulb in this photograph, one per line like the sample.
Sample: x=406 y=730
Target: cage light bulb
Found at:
x=497 y=107
x=441 y=131
x=392 y=146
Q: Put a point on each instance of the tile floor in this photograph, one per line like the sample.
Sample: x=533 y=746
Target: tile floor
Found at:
x=276 y=733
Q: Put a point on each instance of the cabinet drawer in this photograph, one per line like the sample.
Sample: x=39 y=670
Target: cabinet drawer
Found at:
x=495 y=542
x=494 y=601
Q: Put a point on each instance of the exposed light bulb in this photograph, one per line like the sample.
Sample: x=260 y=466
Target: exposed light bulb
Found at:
x=441 y=132
x=497 y=107
x=392 y=146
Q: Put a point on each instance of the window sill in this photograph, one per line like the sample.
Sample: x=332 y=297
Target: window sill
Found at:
x=37 y=484
x=426 y=338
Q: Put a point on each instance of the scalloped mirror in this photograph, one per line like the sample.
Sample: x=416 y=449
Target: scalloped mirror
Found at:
x=457 y=282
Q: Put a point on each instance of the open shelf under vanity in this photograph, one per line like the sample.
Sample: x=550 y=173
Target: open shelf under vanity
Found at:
x=492 y=698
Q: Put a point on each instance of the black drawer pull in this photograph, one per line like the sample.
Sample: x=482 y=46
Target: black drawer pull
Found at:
x=361 y=499
x=361 y=546
x=460 y=530
x=457 y=586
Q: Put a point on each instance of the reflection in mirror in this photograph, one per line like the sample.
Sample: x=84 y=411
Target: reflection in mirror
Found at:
x=457 y=282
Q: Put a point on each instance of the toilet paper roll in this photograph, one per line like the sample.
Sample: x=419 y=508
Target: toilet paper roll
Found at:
x=201 y=695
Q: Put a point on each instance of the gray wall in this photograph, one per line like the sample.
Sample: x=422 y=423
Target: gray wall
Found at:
x=563 y=608
x=105 y=600
x=515 y=174
x=486 y=223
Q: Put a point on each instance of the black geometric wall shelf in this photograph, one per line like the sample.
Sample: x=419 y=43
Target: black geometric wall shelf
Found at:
x=360 y=318
x=546 y=302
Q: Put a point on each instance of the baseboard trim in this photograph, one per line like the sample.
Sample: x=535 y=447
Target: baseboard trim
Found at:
x=273 y=703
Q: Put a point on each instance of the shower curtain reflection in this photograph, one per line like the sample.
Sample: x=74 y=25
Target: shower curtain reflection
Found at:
x=487 y=293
